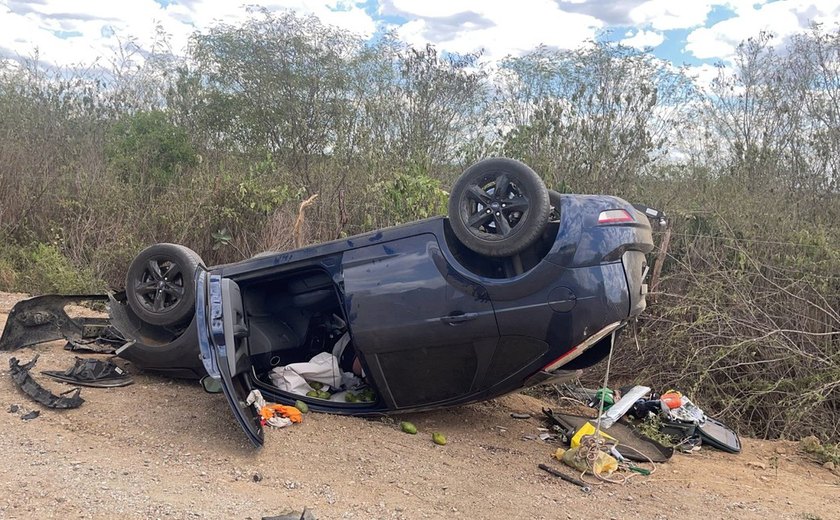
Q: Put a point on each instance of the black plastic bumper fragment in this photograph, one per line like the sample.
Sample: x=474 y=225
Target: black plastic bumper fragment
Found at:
x=95 y=346
x=44 y=318
x=24 y=381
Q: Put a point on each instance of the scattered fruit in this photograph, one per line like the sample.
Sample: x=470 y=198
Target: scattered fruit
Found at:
x=312 y=393
x=316 y=385
x=407 y=427
x=303 y=407
x=439 y=439
x=367 y=395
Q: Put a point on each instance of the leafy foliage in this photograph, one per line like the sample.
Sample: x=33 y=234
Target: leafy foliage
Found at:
x=410 y=197
x=42 y=268
x=595 y=117
x=147 y=149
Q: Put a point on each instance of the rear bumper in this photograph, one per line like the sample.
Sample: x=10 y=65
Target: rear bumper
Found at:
x=581 y=347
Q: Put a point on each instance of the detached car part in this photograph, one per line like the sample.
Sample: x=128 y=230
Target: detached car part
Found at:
x=44 y=318
x=92 y=372
x=23 y=380
x=632 y=444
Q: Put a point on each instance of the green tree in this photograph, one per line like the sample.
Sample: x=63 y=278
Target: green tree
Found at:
x=591 y=117
x=278 y=83
x=147 y=149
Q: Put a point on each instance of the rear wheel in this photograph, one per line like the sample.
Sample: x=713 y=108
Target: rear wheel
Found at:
x=498 y=207
x=159 y=285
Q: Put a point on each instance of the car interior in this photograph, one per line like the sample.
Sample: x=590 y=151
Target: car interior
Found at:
x=291 y=319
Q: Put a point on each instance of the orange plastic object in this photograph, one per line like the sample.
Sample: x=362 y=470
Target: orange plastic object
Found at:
x=290 y=412
x=671 y=399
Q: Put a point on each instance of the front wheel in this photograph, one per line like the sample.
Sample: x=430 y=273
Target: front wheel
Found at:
x=498 y=207
x=159 y=285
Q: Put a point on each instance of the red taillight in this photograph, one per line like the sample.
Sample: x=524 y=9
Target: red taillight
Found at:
x=614 y=216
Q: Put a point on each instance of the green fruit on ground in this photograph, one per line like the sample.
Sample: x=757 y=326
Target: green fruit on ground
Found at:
x=303 y=407
x=439 y=439
x=407 y=427
x=323 y=395
x=316 y=385
x=312 y=393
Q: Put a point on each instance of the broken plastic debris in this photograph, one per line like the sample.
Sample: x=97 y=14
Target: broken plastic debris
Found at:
x=31 y=415
x=305 y=515
x=92 y=372
x=24 y=381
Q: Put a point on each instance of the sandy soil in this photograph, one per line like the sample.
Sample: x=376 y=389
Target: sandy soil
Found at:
x=165 y=449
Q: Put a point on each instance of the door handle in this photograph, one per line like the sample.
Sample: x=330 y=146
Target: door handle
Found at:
x=459 y=317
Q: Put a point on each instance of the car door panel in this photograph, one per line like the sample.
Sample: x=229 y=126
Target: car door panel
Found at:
x=424 y=339
x=228 y=331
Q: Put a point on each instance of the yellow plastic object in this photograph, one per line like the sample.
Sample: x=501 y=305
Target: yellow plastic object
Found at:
x=588 y=429
x=604 y=465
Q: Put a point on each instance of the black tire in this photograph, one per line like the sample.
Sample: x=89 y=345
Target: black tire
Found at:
x=554 y=200
x=498 y=207
x=159 y=285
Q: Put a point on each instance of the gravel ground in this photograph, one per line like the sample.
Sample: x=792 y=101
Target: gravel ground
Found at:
x=165 y=449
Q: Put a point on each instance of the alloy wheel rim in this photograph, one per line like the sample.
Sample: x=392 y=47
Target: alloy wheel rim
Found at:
x=160 y=286
x=494 y=209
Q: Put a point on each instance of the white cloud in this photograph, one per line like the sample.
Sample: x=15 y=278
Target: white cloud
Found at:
x=348 y=15
x=85 y=31
x=27 y=26
x=782 y=18
x=643 y=39
x=500 y=28
x=703 y=75
x=665 y=15
x=435 y=8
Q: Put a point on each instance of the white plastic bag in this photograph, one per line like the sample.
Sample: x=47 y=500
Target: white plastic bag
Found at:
x=293 y=378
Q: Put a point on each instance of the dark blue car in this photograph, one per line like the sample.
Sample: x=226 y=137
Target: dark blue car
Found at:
x=518 y=286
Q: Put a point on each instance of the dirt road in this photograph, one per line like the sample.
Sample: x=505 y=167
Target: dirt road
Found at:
x=165 y=449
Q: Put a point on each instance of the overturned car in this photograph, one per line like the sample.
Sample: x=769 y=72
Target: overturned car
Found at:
x=518 y=286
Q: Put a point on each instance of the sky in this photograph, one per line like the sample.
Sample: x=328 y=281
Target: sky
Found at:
x=696 y=33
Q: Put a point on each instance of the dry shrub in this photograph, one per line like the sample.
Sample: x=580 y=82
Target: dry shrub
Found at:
x=8 y=276
x=751 y=330
x=277 y=234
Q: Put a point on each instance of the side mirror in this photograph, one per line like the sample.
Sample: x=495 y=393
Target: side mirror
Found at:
x=211 y=385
